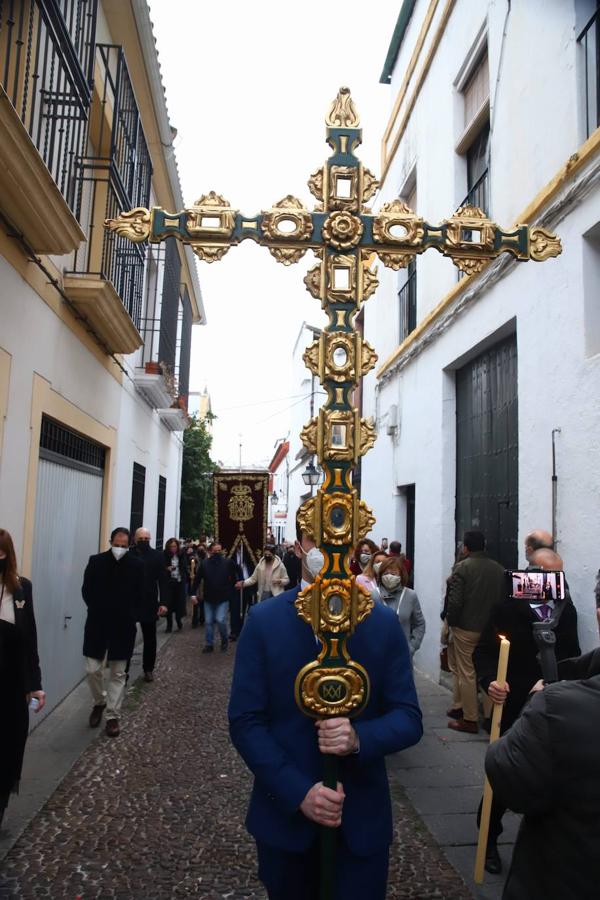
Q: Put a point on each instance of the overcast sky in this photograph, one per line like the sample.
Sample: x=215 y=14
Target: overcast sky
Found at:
x=248 y=86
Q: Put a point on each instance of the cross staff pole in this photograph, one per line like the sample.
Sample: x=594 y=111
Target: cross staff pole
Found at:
x=345 y=236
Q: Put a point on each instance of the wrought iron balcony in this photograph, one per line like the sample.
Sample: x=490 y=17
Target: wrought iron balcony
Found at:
x=117 y=177
x=407 y=303
x=46 y=70
x=589 y=42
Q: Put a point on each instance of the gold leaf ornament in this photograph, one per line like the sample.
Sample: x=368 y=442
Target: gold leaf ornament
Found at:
x=343 y=230
x=543 y=244
x=135 y=224
x=342 y=113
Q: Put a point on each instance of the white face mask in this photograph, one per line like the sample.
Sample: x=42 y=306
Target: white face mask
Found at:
x=364 y=558
x=376 y=567
x=391 y=582
x=118 y=552
x=314 y=561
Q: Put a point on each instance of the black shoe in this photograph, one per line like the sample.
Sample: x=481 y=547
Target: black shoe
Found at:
x=233 y=638
x=208 y=649
x=493 y=863
x=224 y=646
x=179 y=626
x=96 y=715
x=454 y=713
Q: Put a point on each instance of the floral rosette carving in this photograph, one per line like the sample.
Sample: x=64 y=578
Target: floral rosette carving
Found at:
x=342 y=230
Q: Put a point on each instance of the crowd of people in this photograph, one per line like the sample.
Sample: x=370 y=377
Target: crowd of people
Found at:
x=545 y=764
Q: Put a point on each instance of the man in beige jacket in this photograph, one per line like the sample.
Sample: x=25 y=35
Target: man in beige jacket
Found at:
x=270 y=576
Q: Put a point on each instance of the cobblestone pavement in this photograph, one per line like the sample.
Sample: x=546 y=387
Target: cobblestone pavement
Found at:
x=159 y=812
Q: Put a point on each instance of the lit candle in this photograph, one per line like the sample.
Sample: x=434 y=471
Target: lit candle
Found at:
x=503 y=660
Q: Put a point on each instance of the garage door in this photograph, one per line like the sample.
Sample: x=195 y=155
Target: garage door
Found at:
x=67 y=532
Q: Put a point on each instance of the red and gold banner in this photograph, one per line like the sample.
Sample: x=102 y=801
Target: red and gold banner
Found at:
x=241 y=500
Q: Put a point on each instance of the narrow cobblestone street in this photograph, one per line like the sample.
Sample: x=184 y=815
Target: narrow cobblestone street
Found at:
x=159 y=812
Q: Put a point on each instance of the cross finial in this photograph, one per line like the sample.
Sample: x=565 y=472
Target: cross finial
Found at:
x=343 y=112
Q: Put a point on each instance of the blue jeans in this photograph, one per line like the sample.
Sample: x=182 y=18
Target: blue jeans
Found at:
x=215 y=612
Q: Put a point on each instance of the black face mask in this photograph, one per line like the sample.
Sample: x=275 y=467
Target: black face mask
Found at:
x=143 y=545
x=268 y=556
x=2 y=565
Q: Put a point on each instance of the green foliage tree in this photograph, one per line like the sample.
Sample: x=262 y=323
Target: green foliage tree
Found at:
x=197 y=507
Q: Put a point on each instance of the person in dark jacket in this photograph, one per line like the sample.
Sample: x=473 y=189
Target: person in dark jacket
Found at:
x=20 y=676
x=477 y=583
x=547 y=767
x=284 y=750
x=218 y=575
x=154 y=604
x=292 y=565
x=113 y=591
x=513 y=618
x=176 y=564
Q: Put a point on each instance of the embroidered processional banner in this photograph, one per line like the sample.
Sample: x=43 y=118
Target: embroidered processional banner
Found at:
x=241 y=500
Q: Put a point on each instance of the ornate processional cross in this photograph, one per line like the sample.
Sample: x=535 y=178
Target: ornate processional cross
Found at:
x=344 y=234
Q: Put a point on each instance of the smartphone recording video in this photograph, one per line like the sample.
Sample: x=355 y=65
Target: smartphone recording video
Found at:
x=537 y=587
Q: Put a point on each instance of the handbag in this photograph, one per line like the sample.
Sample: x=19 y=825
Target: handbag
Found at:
x=444 y=659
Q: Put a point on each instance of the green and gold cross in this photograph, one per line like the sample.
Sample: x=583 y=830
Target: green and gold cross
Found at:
x=345 y=235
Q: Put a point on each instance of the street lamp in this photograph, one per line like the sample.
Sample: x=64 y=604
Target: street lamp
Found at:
x=311 y=475
x=274 y=497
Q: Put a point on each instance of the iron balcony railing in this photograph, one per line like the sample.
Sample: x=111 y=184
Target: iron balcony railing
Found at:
x=116 y=178
x=589 y=40
x=407 y=302
x=479 y=194
x=46 y=70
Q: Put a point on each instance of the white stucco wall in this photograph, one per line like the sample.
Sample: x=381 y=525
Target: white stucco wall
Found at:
x=552 y=307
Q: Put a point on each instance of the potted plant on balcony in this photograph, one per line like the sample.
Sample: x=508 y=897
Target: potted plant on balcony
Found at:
x=153 y=368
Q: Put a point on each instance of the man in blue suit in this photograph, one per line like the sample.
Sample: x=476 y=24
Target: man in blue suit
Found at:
x=282 y=747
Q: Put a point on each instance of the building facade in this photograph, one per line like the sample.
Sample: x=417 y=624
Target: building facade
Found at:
x=485 y=397
x=310 y=399
x=96 y=331
x=279 y=481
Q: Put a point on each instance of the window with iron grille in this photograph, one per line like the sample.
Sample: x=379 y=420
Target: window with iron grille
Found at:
x=589 y=44
x=138 y=489
x=46 y=69
x=185 y=348
x=58 y=441
x=474 y=144
x=167 y=345
x=115 y=177
x=160 y=515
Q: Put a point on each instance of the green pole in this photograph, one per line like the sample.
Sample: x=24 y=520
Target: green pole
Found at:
x=328 y=835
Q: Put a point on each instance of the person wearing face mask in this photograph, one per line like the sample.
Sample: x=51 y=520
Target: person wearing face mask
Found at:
x=270 y=576
x=156 y=590
x=368 y=577
x=113 y=591
x=217 y=574
x=176 y=563
x=283 y=748
x=361 y=556
x=392 y=579
x=20 y=676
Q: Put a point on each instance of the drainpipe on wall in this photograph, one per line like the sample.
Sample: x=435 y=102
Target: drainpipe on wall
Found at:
x=555 y=431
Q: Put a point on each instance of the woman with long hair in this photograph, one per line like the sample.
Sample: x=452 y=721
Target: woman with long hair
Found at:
x=362 y=554
x=368 y=576
x=177 y=572
x=20 y=676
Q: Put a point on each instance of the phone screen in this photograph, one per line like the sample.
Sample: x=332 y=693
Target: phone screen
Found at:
x=537 y=587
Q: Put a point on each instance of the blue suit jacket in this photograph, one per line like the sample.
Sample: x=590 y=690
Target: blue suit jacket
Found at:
x=279 y=744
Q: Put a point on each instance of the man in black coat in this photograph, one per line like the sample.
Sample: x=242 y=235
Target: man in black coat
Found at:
x=513 y=618
x=548 y=768
x=113 y=591
x=154 y=604
x=219 y=575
